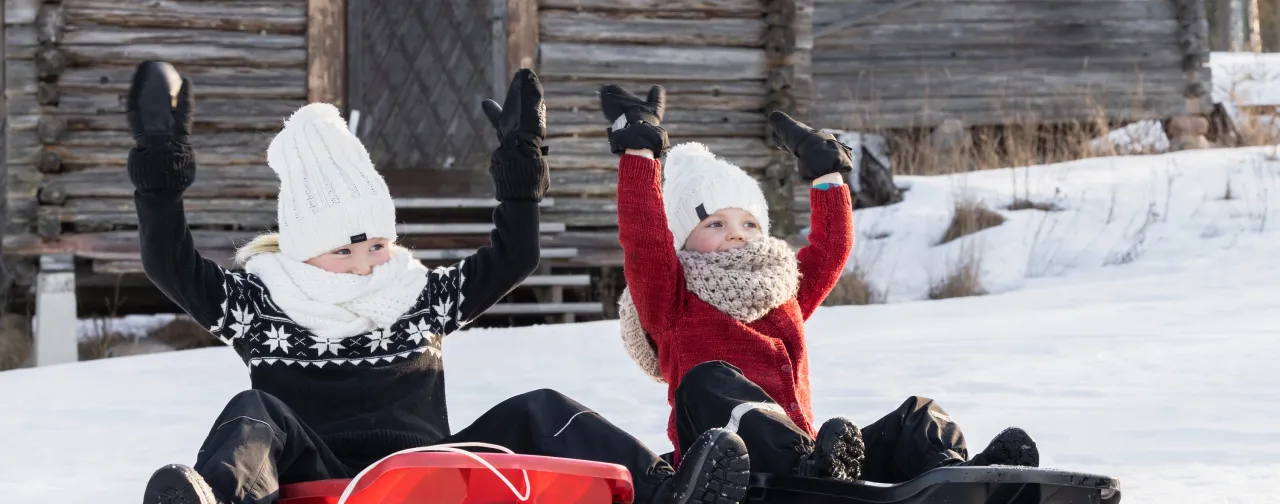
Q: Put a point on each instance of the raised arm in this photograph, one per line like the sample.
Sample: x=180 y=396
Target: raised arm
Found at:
x=822 y=161
x=649 y=263
x=161 y=166
x=520 y=176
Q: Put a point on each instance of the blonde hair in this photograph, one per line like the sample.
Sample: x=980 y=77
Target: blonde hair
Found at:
x=262 y=244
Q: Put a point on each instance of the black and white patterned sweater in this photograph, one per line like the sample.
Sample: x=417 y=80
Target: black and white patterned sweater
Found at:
x=365 y=396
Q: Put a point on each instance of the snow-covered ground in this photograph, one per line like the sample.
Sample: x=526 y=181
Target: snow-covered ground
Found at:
x=1134 y=333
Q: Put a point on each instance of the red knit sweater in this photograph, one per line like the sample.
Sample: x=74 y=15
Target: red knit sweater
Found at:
x=688 y=331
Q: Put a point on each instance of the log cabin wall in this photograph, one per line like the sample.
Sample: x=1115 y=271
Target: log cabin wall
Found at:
x=70 y=68
x=911 y=63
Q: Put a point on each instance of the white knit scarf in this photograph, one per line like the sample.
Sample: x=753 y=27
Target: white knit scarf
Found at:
x=341 y=305
x=745 y=283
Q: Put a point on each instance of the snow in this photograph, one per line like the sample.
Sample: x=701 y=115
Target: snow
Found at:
x=1133 y=332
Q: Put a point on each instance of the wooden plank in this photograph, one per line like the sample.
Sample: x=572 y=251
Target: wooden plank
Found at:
x=258 y=16
x=20 y=12
x=22 y=148
x=234 y=181
x=207 y=81
x=1005 y=33
x=831 y=62
x=116 y=245
x=844 y=20
x=544 y=309
x=466 y=228
x=637 y=62
x=113 y=104
x=21 y=77
x=327 y=55
x=1000 y=10
x=103 y=214
x=182 y=55
x=455 y=254
x=938 y=84
x=522 y=36
x=686 y=124
x=557 y=280
x=643 y=28
x=116 y=36
x=906 y=113
x=20 y=42
x=681 y=95
x=740 y=8
x=80 y=157
x=203 y=124
x=720 y=146
x=455 y=203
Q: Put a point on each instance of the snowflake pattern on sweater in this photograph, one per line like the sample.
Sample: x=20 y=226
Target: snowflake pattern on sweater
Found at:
x=262 y=334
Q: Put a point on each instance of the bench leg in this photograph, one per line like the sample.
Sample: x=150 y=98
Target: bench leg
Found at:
x=56 y=338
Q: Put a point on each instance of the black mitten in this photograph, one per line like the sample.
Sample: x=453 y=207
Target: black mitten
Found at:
x=518 y=169
x=158 y=110
x=635 y=122
x=819 y=152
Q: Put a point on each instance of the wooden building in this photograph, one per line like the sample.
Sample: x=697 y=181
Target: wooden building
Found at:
x=411 y=74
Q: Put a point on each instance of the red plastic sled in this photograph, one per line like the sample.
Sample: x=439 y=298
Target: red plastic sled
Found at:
x=454 y=478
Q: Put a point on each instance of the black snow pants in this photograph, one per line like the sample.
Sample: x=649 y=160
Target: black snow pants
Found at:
x=916 y=437
x=258 y=444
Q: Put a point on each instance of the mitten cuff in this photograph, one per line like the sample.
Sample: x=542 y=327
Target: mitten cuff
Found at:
x=519 y=176
x=162 y=164
x=641 y=135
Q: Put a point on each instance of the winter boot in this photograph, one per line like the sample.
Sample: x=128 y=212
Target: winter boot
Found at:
x=714 y=471
x=837 y=454
x=178 y=484
x=1013 y=446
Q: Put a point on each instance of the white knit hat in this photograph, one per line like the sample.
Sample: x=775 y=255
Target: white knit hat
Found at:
x=698 y=184
x=330 y=194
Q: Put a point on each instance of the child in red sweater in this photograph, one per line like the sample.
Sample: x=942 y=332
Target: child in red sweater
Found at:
x=715 y=306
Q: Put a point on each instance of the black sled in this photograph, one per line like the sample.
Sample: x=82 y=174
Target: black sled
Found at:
x=947 y=485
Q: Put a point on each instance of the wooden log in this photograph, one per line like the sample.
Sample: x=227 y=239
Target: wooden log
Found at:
x=938 y=84
x=913 y=113
x=249 y=142
x=234 y=181
x=79 y=157
x=48 y=93
x=51 y=129
x=204 y=123
x=207 y=81
x=49 y=162
x=48 y=222
x=50 y=22
x=522 y=35
x=1193 y=42
x=21 y=75
x=681 y=95
x=186 y=54
x=980 y=11
x=1004 y=33
x=736 y=8
x=326 y=42
x=644 y=28
x=635 y=62
x=50 y=62
x=20 y=42
x=87 y=215
x=22 y=148
x=122 y=37
x=789 y=47
x=113 y=104
x=598 y=145
x=20 y=12
x=851 y=65
x=688 y=124
x=116 y=245
x=257 y=16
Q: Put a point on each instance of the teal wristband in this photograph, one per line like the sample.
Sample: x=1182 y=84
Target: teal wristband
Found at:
x=826 y=185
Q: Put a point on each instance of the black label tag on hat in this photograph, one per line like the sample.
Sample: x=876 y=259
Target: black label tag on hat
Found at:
x=702 y=212
x=359 y=238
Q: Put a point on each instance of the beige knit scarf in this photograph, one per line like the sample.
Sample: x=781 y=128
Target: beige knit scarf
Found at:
x=745 y=283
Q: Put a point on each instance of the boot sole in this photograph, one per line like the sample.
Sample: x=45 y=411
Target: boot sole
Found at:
x=723 y=471
x=174 y=484
x=1012 y=447
x=841 y=450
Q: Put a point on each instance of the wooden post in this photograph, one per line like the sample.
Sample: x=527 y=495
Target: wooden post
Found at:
x=1253 y=26
x=6 y=279
x=327 y=52
x=1193 y=42
x=56 y=336
x=788 y=47
x=522 y=35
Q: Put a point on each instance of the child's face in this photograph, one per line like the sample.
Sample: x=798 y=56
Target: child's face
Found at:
x=357 y=259
x=726 y=229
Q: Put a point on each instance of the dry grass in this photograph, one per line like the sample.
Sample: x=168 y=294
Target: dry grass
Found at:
x=183 y=334
x=990 y=147
x=15 y=341
x=970 y=216
x=964 y=279
x=1026 y=204
x=854 y=289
